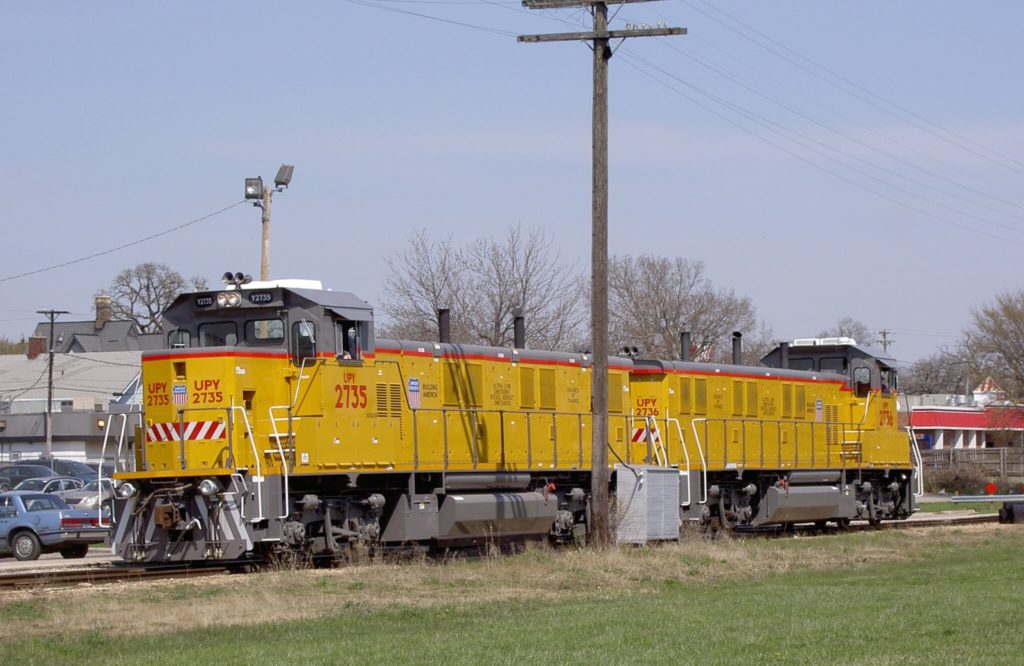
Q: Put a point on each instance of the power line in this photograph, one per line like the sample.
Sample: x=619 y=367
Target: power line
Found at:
x=121 y=247
x=463 y=24
x=853 y=93
x=80 y=357
x=758 y=120
x=853 y=139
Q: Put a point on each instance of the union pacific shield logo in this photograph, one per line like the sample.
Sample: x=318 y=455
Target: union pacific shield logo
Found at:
x=179 y=394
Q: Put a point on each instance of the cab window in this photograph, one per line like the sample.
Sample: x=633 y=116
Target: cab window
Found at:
x=178 y=339
x=303 y=341
x=833 y=364
x=218 y=334
x=346 y=335
x=264 y=332
x=888 y=380
x=861 y=381
x=801 y=364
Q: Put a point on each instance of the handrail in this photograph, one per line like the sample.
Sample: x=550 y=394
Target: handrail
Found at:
x=781 y=422
x=476 y=413
x=918 y=462
x=181 y=430
x=703 y=496
x=302 y=368
x=117 y=457
x=99 y=476
x=655 y=441
x=258 y=479
x=280 y=451
x=915 y=449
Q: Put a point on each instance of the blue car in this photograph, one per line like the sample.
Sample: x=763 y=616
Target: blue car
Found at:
x=33 y=523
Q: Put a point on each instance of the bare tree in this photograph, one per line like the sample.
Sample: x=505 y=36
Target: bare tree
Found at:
x=484 y=284
x=142 y=293
x=848 y=327
x=943 y=372
x=652 y=299
x=425 y=277
x=994 y=343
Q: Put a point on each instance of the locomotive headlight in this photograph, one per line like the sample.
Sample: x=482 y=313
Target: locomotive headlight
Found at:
x=229 y=299
x=126 y=490
x=208 y=487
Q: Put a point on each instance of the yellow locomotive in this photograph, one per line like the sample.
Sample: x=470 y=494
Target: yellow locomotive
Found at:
x=276 y=422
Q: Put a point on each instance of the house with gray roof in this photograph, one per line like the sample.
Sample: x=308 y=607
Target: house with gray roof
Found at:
x=101 y=334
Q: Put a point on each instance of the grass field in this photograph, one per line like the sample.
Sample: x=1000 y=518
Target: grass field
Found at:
x=977 y=507
x=887 y=597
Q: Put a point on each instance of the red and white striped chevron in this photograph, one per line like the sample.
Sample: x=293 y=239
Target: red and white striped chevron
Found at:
x=640 y=435
x=194 y=431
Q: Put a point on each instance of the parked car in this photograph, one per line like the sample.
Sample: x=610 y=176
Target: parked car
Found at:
x=89 y=496
x=35 y=523
x=50 y=484
x=64 y=467
x=21 y=471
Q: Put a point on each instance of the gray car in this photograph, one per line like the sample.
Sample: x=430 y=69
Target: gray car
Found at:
x=50 y=484
x=89 y=496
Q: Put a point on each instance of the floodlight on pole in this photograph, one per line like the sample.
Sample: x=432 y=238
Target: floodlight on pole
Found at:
x=261 y=196
x=254 y=188
x=284 y=176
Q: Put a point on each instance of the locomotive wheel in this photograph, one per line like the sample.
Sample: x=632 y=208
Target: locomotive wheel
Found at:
x=843 y=523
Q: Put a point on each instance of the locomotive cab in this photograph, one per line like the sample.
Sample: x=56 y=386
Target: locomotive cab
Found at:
x=866 y=370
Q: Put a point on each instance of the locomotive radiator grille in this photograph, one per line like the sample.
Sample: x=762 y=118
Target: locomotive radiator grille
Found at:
x=390 y=401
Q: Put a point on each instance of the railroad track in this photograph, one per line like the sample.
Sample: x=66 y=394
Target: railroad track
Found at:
x=937 y=520
x=108 y=573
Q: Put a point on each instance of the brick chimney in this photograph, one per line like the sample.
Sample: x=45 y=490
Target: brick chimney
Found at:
x=104 y=311
x=36 y=346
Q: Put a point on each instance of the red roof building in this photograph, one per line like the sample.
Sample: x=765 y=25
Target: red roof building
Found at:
x=967 y=427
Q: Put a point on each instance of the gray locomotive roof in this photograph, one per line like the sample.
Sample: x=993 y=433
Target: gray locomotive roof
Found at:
x=332 y=299
x=343 y=303
x=728 y=369
x=455 y=349
x=862 y=351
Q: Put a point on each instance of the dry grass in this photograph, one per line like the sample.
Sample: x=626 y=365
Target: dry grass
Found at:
x=537 y=574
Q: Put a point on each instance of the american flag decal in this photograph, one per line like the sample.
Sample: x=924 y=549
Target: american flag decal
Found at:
x=179 y=394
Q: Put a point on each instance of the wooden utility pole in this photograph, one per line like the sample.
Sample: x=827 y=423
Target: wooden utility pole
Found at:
x=265 y=253
x=885 y=341
x=48 y=425
x=600 y=529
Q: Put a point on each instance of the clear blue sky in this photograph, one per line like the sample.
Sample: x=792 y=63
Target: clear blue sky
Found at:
x=876 y=195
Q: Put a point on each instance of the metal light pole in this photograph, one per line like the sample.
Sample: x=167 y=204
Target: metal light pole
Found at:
x=261 y=197
x=48 y=426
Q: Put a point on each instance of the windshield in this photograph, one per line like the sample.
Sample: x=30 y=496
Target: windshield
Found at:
x=79 y=469
x=43 y=503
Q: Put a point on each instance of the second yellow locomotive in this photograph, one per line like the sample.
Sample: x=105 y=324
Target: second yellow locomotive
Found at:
x=277 y=423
